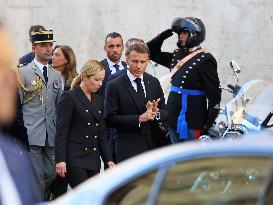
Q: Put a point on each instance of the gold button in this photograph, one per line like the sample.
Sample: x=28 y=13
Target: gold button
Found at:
x=88 y=123
x=97 y=124
x=99 y=112
x=85 y=149
x=94 y=149
x=86 y=136
x=86 y=110
x=96 y=136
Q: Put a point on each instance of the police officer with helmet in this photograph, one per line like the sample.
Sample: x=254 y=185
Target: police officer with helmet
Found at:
x=193 y=102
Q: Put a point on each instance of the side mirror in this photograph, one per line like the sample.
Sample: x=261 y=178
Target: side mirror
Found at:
x=235 y=67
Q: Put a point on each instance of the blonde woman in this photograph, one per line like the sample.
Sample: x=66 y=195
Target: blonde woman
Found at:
x=80 y=138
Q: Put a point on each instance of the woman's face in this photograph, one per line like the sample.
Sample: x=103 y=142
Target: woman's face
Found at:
x=59 y=60
x=94 y=82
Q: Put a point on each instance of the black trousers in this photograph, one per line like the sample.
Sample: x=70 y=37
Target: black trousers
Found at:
x=60 y=186
x=76 y=175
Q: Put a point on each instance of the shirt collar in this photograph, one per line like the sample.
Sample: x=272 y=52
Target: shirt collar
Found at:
x=111 y=63
x=132 y=77
x=194 y=48
x=40 y=65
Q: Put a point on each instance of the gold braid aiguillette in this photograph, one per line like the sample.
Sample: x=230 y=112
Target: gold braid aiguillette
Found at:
x=38 y=87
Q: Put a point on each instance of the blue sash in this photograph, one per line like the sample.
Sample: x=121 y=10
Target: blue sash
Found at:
x=182 y=125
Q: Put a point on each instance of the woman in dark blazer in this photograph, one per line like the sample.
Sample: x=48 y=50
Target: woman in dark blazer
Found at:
x=80 y=138
x=64 y=60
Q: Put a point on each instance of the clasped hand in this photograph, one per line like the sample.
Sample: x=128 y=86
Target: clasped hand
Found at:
x=151 y=111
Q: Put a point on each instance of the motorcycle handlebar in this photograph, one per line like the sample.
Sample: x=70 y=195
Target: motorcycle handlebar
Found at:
x=235 y=89
x=231 y=87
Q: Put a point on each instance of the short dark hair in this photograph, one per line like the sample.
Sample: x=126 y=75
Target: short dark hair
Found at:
x=139 y=48
x=132 y=41
x=113 y=35
x=35 y=28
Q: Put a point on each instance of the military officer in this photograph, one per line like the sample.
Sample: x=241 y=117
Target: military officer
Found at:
x=40 y=90
x=193 y=102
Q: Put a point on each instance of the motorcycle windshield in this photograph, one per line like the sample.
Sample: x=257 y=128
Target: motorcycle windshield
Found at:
x=251 y=105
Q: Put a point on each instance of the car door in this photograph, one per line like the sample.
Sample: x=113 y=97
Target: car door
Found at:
x=234 y=179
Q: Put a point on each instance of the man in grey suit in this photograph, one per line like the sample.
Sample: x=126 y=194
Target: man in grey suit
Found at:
x=40 y=90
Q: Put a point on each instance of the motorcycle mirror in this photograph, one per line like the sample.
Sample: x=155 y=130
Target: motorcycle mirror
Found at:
x=235 y=67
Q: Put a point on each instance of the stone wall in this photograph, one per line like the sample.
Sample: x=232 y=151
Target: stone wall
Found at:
x=239 y=30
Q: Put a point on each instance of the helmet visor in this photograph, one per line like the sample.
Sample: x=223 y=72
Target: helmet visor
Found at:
x=189 y=25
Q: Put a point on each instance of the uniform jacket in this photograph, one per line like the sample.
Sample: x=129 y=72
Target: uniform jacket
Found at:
x=122 y=112
x=199 y=73
x=80 y=138
x=101 y=91
x=39 y=118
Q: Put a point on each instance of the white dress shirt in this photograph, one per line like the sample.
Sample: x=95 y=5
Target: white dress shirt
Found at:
x=134 y=84
x=111 y=66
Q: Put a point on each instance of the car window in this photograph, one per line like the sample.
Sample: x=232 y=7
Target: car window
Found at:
x=135 y=192
x=225 y=180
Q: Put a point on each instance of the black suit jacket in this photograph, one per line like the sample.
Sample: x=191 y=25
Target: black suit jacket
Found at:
x=80 y=138
x=101 y=91
x=20 y=169
x=122 y=112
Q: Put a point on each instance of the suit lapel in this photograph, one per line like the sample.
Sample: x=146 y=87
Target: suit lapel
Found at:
x=90 y=108
x=148 y=88
x=132 y=92
x=106 y=67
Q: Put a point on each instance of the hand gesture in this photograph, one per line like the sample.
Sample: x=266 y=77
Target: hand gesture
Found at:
x=152 y=106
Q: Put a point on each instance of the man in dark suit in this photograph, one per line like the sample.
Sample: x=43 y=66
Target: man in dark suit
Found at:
x=128 y=43
x=27 y=58
x=134 y=105
x=193 y=103
x=113 y=47
x=113 y=65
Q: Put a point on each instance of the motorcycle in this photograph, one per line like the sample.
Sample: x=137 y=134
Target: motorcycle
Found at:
x=250 y=109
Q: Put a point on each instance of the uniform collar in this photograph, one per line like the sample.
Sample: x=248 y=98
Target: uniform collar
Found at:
x=40 y=65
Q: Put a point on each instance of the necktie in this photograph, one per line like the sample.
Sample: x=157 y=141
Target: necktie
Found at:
x=45 y=73
x=140 y=92
x=117 y=67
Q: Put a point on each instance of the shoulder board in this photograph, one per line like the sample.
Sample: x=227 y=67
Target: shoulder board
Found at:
x=21 y=65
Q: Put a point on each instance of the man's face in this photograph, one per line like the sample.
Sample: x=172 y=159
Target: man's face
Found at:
x=42 y=51
x=183 y=37
x=137 y=63
x=113 y=48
